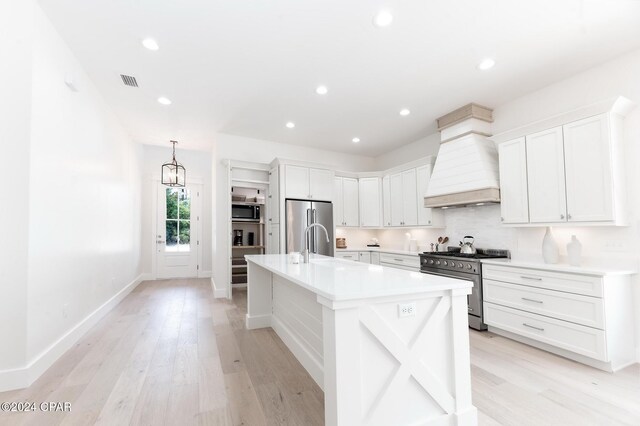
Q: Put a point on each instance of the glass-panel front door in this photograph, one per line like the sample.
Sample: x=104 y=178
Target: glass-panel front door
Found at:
x=176 y=236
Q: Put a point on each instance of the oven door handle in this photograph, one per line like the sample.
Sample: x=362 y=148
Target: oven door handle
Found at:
x=451 y=276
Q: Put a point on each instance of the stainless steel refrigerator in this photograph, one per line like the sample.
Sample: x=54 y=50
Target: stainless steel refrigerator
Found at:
x=299 y=215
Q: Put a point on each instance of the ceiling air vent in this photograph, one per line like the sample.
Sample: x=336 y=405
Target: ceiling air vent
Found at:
x=129 y=80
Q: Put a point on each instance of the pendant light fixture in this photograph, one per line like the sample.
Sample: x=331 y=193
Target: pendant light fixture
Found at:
x=173 y=173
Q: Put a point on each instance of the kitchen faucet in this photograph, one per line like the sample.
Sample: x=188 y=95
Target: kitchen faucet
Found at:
x=305 y=253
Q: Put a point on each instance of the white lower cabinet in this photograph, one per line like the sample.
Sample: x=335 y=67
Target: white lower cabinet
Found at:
x=348 y=255
x=584 y=317
x=401 y=261
x=407 y=262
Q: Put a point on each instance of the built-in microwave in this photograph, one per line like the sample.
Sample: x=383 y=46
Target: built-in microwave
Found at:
x=245 y=213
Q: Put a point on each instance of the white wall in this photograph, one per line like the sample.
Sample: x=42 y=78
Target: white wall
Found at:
x=230 y=147
x=198 y=166
x=423 y=147
x=84 y=236
x=16 y=38
x=74 y=233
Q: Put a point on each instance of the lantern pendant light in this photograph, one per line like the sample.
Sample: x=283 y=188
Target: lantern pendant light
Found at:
x=173 y=173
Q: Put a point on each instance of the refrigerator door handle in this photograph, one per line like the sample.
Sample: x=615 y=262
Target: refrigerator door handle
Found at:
x=309 y=235
x=315 y=233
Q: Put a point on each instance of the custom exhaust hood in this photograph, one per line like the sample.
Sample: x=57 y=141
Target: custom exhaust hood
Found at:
x=466 y=169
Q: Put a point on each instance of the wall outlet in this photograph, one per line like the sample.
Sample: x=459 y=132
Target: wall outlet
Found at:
x=407 y=309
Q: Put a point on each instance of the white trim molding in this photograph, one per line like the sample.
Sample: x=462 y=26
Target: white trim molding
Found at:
x=23 y=377
x=218 y=293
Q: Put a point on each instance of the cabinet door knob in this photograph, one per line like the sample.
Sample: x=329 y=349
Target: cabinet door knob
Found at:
x=269 y=219
x=502 y=219
x=568 y=216
x=561 y=216
x=429 y=222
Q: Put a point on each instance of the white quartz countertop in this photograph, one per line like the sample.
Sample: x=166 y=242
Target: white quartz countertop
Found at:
x=562 y=267
x=339 y=279
x=380 y=250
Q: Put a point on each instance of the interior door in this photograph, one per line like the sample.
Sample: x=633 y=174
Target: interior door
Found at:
x=178 y=215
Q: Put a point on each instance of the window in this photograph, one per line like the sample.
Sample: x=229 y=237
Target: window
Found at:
x=178 y=221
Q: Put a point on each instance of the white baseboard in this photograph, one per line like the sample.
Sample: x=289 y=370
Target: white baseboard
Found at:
x=147 y=276
x=218 y=293
x=204 y=274
x=259 y=321
x=24 y=377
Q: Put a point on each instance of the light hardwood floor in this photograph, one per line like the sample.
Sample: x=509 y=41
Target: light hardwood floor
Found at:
x=171 y=354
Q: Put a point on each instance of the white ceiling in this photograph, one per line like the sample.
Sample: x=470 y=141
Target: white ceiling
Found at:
x=246 y=67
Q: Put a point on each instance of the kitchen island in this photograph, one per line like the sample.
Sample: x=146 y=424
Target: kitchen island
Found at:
x=387 y=346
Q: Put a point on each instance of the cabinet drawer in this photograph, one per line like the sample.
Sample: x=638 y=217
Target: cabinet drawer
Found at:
x=349 y=255
x=576 y=338
x=575 y=308
x=560 y=281
x=400 y=260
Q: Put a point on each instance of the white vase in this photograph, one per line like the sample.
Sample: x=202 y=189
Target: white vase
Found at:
x=574 y=251
x=550 y=251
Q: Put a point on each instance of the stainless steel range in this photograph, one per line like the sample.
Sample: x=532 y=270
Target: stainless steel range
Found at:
x=454 y=264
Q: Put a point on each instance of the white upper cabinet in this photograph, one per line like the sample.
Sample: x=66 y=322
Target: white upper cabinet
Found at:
x=321 y=184
x=345 y=204
x=403 y=202
x=545 y=176
x=588 y=168
x=296 y=181
x=308 y=183
x=395 y=199
x=370 y=202
x=409 y=198
x=569 y=174
x=513 y=182
x=425 y=215
x=386 y=201
x=273 y=199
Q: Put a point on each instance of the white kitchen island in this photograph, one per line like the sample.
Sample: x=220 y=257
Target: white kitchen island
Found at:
x=387 y=346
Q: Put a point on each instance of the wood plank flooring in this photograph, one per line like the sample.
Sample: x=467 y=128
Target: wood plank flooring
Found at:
x=170 y=354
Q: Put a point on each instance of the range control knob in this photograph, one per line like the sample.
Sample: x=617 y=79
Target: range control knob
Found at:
x=460 y=265
x=431 y=261
x=437 y=262
x=445 y=263
x=468 y=266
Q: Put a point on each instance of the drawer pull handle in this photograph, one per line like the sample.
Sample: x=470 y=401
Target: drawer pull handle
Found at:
x=524 y=277
x=531 y=326
x=532 y=300
x=399 y=260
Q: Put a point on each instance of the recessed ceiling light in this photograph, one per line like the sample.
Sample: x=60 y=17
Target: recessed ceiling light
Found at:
x=486 y=64
x=404 y=112
x=322 y=90
x=150 y=44
x=355 y=140
x=164 y=101
x=382 y=19
x=290 y=125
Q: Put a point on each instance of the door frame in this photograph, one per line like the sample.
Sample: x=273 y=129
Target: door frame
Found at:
x=154 y=182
